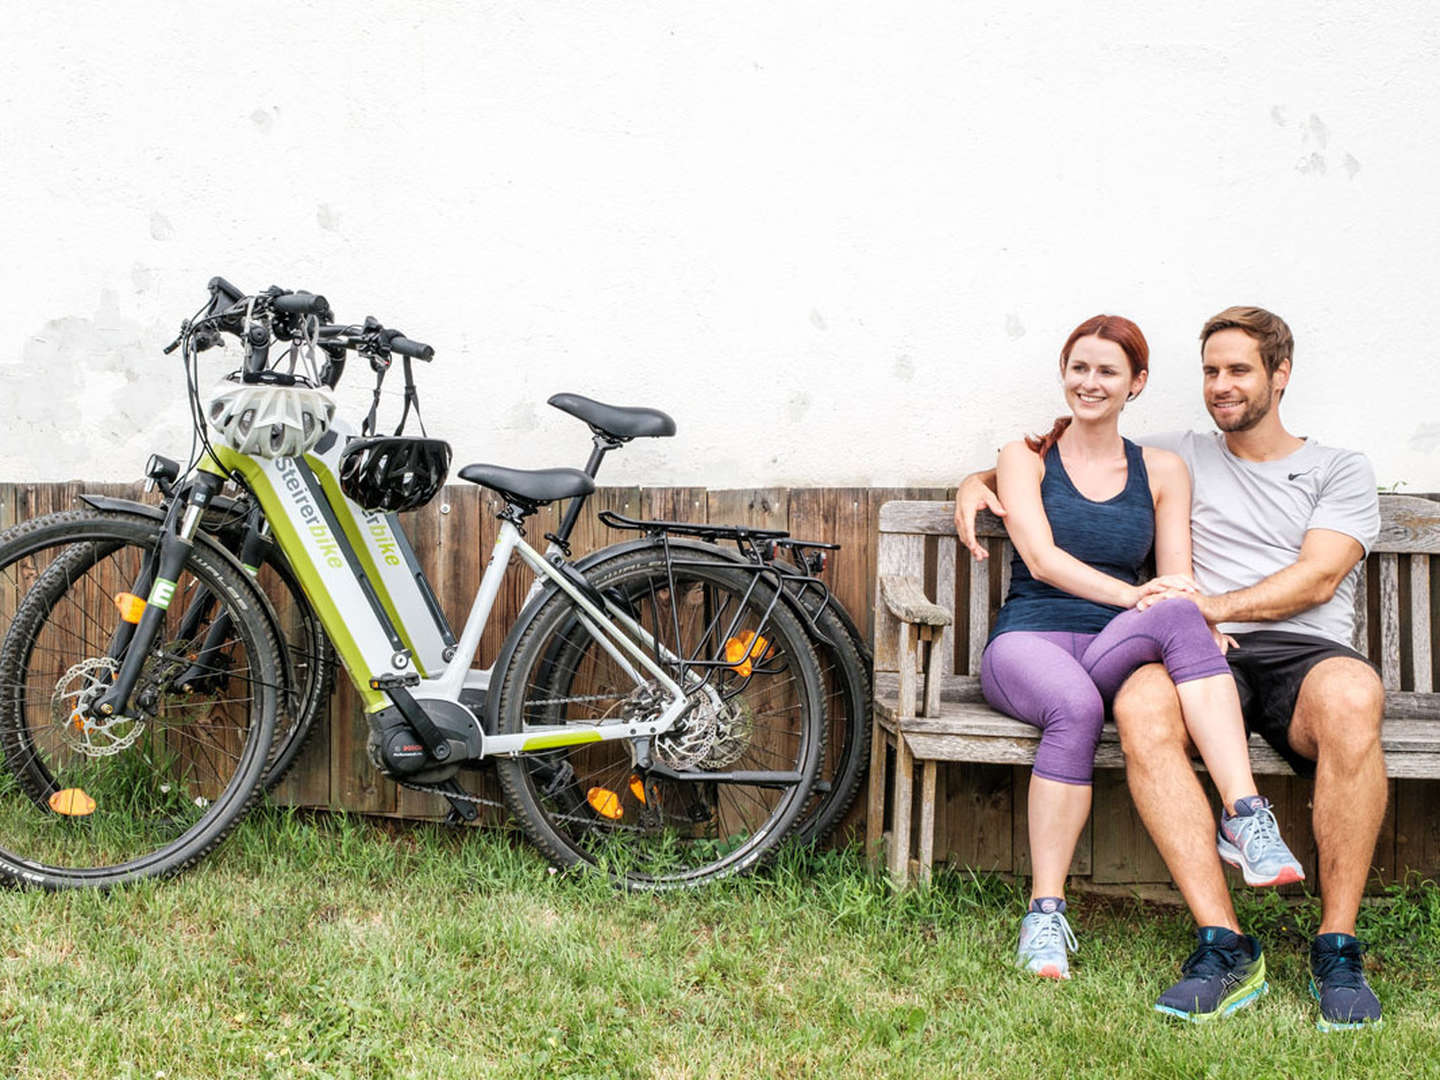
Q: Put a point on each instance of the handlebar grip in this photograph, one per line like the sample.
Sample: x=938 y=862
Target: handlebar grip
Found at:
x=301 y=303
x=417 y=349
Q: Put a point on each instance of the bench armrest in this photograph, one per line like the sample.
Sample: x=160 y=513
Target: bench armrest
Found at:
x=905 y=599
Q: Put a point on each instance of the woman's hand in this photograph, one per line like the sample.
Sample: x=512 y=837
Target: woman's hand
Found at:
x=1225 y=641
x=1164 y=587
x=971 y=497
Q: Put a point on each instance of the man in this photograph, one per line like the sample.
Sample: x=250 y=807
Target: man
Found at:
x=1279 y=527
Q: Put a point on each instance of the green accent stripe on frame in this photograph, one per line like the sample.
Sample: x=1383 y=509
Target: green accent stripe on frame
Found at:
x=315 y=591
x=561 y=738
x=362 y=553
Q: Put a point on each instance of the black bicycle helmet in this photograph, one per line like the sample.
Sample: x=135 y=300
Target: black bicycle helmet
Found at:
x=394 y=472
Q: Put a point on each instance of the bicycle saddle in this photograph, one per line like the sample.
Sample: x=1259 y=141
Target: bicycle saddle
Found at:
x=531 y=487
x=617 y=421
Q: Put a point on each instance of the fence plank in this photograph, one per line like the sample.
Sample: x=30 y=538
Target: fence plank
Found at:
x=979 y=806
x=1390 y=620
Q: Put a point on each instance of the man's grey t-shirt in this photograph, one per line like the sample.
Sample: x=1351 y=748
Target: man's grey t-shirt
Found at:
x=1249 y=518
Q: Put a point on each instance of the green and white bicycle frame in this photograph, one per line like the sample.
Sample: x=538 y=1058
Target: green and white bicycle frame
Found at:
x=360 y=575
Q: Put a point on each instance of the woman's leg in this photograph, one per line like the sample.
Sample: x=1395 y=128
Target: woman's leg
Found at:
x=1035 y=677
x=1174 y=633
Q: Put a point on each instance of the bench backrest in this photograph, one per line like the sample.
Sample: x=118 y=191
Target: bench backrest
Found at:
x=1397 y=605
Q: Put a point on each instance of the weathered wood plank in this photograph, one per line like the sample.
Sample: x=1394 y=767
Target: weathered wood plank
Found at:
x=1360 y=635
x=933 y=518
x=1417 y=827
x=1408 y=524
x=906 y=600
x=762 y=508
x=1420 y=656
x=945 y=559
x=898 y=555
x=1122 y=851
x=1390 y=621
x=979 y=615
x=976 y=816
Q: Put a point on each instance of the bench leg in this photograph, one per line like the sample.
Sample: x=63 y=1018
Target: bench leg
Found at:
x=900 y=815
x=875 y=810
x=927 y=820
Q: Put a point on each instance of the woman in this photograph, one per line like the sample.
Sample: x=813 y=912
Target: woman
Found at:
x=1085 y=508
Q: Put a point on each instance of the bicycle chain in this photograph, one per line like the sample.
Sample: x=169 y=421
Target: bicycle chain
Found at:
x=465 y=796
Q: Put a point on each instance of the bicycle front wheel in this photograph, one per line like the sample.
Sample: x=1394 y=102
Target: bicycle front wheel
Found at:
x=748 y=746
x=94 y=802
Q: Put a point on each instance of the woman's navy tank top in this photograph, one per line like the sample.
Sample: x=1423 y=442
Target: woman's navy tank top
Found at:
x=1113 y=536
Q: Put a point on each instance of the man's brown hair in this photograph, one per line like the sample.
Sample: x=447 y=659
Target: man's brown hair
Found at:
x=1265 y=327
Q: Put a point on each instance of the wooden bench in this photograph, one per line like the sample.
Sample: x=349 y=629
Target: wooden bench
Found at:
x=928 y=706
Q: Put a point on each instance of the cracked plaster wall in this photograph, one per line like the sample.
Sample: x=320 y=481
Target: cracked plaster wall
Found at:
x=840 y=243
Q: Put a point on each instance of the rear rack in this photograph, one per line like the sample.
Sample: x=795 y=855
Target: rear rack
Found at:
x=758 y=548
x=698 y=529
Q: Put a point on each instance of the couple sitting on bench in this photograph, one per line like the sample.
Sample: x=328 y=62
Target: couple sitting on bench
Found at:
x=1255 y=635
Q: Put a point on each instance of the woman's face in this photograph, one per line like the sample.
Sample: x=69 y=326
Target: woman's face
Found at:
x=1097 y=379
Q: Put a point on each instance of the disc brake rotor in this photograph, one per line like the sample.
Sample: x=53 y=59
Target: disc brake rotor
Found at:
x=75 y=692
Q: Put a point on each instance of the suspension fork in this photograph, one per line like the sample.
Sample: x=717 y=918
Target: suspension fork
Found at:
x=174 y=549
x=252 y=551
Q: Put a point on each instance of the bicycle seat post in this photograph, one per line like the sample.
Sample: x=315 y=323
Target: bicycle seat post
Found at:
x=602 y=445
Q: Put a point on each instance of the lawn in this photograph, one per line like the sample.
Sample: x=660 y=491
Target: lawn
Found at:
x=318 y=945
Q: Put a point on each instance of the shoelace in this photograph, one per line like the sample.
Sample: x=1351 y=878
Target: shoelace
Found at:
x=1265 y=832
x=1209 y=961
x=1344 y=966
x=1054 y=929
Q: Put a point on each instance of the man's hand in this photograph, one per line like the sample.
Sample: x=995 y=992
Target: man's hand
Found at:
x=974 y=495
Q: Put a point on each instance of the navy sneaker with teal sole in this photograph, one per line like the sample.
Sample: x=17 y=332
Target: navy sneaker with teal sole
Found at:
x=1337 y=979
x=1226 y=972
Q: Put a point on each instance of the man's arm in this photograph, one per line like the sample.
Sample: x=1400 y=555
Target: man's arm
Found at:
x=976 y=493
x=1325 y=558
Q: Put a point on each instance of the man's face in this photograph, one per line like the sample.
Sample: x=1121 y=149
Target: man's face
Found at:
x=1239 y=392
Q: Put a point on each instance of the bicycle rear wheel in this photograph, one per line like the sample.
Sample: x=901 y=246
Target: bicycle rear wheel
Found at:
x=846 y=677
x=756 y=716
x=91 y=802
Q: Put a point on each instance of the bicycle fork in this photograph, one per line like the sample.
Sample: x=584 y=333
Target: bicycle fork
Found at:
x=174 y=549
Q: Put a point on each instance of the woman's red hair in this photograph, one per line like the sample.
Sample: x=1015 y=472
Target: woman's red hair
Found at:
x=1114 y=328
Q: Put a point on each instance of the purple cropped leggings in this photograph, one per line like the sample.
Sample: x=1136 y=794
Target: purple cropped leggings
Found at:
x=1061 y=681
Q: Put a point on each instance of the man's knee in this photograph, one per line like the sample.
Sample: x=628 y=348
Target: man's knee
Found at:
x=1147 y=714
x=1338 y=711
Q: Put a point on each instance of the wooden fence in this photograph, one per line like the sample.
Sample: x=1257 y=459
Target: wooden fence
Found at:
x=982 y=819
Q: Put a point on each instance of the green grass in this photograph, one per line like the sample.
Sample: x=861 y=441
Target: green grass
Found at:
x=332 y=947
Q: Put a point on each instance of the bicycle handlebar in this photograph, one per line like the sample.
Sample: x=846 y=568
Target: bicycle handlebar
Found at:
x=301 y=303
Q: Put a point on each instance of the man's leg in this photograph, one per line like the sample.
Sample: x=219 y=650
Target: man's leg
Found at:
x=1337 y=723
x=1168 y=795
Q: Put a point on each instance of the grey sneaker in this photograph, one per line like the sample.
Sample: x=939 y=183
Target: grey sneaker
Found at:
x=1045 y=938
x=1250 y=839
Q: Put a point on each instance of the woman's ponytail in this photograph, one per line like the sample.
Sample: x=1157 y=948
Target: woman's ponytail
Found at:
x=1041 y=444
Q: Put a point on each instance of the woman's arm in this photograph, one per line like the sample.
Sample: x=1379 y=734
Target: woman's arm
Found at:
x=1170 y=488
x=1018 y=476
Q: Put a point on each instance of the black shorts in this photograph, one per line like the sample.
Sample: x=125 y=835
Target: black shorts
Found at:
x=1269 y=667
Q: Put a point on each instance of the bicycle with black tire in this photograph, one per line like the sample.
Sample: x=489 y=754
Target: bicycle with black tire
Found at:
x=309 y=659
x=683 y=746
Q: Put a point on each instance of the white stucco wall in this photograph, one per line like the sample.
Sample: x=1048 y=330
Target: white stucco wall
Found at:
x=792 y=225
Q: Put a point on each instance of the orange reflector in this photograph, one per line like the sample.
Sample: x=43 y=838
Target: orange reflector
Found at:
x=72 y=802
x=739 y=651
x=131 y=606
x=637 y=788
x=604 y=802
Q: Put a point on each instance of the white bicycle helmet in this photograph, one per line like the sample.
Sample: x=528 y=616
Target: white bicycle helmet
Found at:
x=268 y=420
